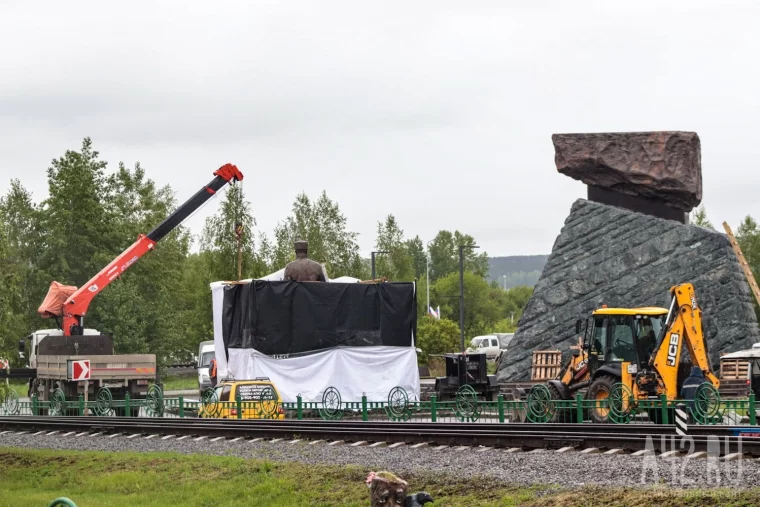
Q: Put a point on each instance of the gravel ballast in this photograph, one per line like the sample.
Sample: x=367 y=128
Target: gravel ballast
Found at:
x=523 y=468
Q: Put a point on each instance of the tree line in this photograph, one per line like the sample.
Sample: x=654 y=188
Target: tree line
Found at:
x=162 y=304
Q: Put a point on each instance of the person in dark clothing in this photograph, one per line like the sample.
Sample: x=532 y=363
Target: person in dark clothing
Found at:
x=689 y=389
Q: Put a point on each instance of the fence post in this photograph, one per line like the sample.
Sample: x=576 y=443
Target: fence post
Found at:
x=664 y=408
x=35 y=405
x=239 y=404
x=433 y=415
x=578 y=407
x=752 y=410
x=299 y=407
x=365 y=416
x=127 y=408
x=500 y=406
x=81 y=405
x=181 y=406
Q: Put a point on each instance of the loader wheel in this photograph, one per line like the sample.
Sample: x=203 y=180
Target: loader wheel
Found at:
x=562 y=414
x=599 y=393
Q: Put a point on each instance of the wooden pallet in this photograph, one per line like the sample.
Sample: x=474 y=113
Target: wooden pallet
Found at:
x=743 y=262
x=546 y=365
x=734 y=369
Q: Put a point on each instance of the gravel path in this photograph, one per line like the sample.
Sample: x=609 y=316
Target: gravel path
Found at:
x=538 y=467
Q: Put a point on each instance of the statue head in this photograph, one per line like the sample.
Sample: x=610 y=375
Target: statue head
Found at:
x=302 y=249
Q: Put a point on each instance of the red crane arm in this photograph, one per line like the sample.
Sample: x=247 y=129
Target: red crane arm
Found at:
x=77 y=304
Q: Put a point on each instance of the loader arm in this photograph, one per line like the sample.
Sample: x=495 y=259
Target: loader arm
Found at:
x=77 y=304
x=683 y=324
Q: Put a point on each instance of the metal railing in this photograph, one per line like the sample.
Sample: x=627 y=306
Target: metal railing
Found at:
x=620 y=407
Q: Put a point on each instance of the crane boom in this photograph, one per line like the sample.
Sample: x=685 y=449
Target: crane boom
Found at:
x=77 y=304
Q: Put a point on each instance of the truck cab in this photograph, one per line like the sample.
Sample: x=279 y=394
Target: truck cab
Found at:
x=36 y=337
x=486 y=344
x=206 y=353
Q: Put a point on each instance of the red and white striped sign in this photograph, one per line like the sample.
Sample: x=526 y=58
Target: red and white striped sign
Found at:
x=3 y=364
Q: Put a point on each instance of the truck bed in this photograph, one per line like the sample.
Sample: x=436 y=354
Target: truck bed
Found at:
x=108 y=367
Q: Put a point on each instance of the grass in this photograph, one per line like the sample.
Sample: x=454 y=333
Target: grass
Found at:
x=35 y=477
x=180 y=383
x=20 y=386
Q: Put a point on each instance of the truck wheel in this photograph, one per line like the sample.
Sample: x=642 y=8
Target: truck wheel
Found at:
x=599 y=393
x=561 y=414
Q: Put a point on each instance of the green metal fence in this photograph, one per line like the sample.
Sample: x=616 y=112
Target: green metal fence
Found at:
x=538 y=407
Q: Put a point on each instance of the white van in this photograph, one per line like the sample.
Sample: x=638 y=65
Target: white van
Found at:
x=205 y=355
x=491 y=345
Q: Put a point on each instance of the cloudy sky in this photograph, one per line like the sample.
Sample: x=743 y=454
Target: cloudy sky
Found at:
x=440 y=112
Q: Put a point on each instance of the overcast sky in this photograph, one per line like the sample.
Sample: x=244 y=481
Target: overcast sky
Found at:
x=440 y=112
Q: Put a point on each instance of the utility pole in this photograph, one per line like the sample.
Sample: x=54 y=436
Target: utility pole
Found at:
x=461 y=292
x=504 y=277
x=239 y=234
x=373 y=262
x=427 y=280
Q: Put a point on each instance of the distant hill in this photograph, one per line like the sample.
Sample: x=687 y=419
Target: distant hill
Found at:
x=519 y=269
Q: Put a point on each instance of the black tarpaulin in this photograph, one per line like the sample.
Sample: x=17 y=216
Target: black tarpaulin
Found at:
x=283 y=317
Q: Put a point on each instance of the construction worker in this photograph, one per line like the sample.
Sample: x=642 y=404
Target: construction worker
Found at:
x=212 y=372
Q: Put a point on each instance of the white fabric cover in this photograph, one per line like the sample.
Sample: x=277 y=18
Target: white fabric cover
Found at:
x=351 y=370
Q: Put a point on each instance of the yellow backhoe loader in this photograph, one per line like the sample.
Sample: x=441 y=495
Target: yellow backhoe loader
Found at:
x=631 y=355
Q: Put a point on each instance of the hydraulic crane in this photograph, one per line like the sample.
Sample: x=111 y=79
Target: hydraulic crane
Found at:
x=75 y=307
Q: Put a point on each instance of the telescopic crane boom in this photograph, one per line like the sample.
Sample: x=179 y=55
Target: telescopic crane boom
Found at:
x=75 y=307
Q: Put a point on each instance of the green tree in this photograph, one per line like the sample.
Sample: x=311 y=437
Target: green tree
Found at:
x=444 y=255
x=397 y=265
x=74 y=215
x=436 y=336
x=699 y=217
x=419 y=258
x=748 y=237
x=323 y=225
x=481 y=303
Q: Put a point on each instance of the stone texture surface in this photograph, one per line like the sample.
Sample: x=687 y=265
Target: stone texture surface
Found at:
x=608 y=255
x=659 y=165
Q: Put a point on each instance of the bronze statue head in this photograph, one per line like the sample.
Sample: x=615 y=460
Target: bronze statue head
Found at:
x=302 y=249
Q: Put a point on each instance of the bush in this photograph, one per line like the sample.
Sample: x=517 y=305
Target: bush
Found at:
x=436 y=336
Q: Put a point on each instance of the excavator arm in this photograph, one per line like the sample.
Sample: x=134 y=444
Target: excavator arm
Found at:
x=683 y=324
x=75 y=307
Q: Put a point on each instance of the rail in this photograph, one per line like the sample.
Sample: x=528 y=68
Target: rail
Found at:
x=707 y=408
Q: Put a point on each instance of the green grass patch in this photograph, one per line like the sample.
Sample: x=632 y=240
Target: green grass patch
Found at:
x=180 y=383
x=35 y=477
x=20 y=386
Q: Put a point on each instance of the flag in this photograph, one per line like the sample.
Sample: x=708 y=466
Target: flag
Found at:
x=433 y=313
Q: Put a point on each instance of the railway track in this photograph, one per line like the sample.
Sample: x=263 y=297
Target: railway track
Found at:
x=525 y=436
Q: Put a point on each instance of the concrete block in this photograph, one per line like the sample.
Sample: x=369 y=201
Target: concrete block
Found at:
x=565 y=450
x=276 y=440
x=114 y=435
x=199 y=439
x=696 y=455
x=167 y=437
x=483 y=449
x=238 y=439
x=513 y=450
x=360 y=443
x=671 y=454
x=379 y=444
x=296 y=441
x=315 y=442
x=590 y=450
x=396 y=445
x=51 y=433
x=421 y=445
x=254 y=440
x=217 y=439
x=65 y=435
x=38 y=433
x=614 y=452
x=335 y=443
x=644 y=452
x=734 y=456
x=95 y=434
x=183 y=437
x=151 y=437
x=441 y=447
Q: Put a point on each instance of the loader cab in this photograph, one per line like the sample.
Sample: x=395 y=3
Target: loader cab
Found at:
x=623 y=335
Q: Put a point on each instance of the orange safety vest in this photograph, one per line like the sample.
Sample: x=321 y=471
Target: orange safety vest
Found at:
x=212 y=369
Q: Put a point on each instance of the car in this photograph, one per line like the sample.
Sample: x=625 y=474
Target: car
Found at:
x=259 y=399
